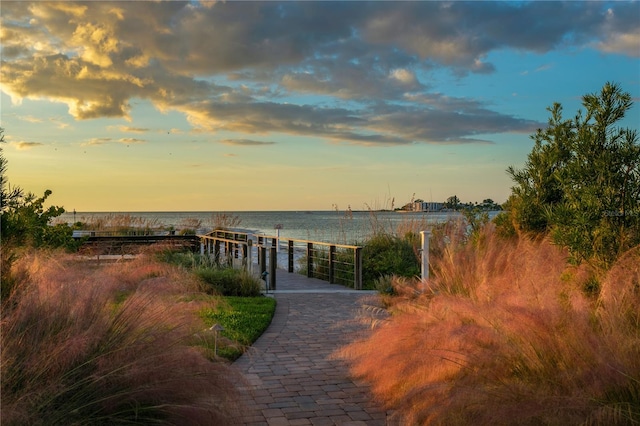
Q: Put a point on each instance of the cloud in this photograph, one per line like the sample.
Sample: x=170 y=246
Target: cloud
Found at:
x=257 y=67
x=23 y=145
x=59 y=123
x=629 y=43
x=30 y=119
x=245 y=142
x=619 y=31
x=97 y=141
x=129 y=129
x=131 y=141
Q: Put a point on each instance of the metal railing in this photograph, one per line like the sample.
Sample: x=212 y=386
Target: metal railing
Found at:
x=335 y=263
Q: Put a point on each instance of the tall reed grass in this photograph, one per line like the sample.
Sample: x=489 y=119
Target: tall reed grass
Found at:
x=87 y=345
x=119 y=222
x=504 y=334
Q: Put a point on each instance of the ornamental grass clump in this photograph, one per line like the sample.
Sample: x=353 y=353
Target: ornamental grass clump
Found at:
x=88 y=344
x=504 y=333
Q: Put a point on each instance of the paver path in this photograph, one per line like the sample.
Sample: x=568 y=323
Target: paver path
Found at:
x=293 y=380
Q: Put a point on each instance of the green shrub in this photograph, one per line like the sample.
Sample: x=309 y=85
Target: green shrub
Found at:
x=384 y=285
x=186 y=259
x=581 y=181
x=385 y=254
x=229 y=282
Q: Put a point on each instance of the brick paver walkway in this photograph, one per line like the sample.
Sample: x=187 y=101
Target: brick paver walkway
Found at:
x=292 y=377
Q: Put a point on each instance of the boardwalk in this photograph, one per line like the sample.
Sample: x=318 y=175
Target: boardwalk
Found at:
x=292 y=377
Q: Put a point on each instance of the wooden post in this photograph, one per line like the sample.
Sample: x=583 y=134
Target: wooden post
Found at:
x=229 y=253
x=245 y=253
x=332 y=260
x=272 y=268
x=357 y=260
x=263 y=255
x=310 y=260
x=249 y=257
x=290 y=249
x=216 y=251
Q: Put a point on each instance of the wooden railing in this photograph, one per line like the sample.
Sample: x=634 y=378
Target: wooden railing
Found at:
x=335 y=263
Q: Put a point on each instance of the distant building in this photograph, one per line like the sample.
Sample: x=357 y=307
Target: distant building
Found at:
x=424 y=206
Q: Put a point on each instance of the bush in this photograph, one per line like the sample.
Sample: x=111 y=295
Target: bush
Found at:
x=385 y=254
x=185 y=259
x=229 y=282
x=581 y=181
x=75 y=351
x=504 y=334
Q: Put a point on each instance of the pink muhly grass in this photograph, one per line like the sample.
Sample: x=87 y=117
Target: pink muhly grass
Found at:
x=74 y=353
x=504 y=335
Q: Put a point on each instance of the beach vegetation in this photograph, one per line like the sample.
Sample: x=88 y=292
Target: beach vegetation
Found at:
x=581 y=181
x=185 y=259
x=507 y=331
x=224 y=221
x=216 y=278
x=228 y=281
x=504 y=333
x=387 y=254
x=25 y=222
x=119 y=224
x=88 y=343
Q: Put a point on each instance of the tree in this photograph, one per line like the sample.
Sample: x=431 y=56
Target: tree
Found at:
x=8 y=196
x=452 y=202
x=581 y=181
x=24 y=220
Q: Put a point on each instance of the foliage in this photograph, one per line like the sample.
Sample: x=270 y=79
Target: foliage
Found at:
x=385 y=254
x=244 y=319
x=24 y=221
x=452 y=202
x=216 y=278
x=504 y=334
x=229 y=281
x=8 y=195
x=476 y=220
x=75 y=351
x=224 y=221
x=185 y=259
x=119 y=224
x=581 y=181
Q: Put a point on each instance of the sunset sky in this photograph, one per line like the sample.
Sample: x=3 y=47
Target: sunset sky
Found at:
x=230 y=106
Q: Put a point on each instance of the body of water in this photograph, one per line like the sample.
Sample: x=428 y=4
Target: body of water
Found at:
x=328 y=226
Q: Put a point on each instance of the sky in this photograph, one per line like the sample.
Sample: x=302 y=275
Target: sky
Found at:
x=237 y=106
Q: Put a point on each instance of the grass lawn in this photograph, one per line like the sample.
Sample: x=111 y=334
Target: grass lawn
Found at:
x=244 y=319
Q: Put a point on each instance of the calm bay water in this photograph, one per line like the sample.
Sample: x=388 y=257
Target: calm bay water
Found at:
x=328 y=226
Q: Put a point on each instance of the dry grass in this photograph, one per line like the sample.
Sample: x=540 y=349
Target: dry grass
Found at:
x=86 y=344
x=224 y=221
x=505 y=335
x=118 y=222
